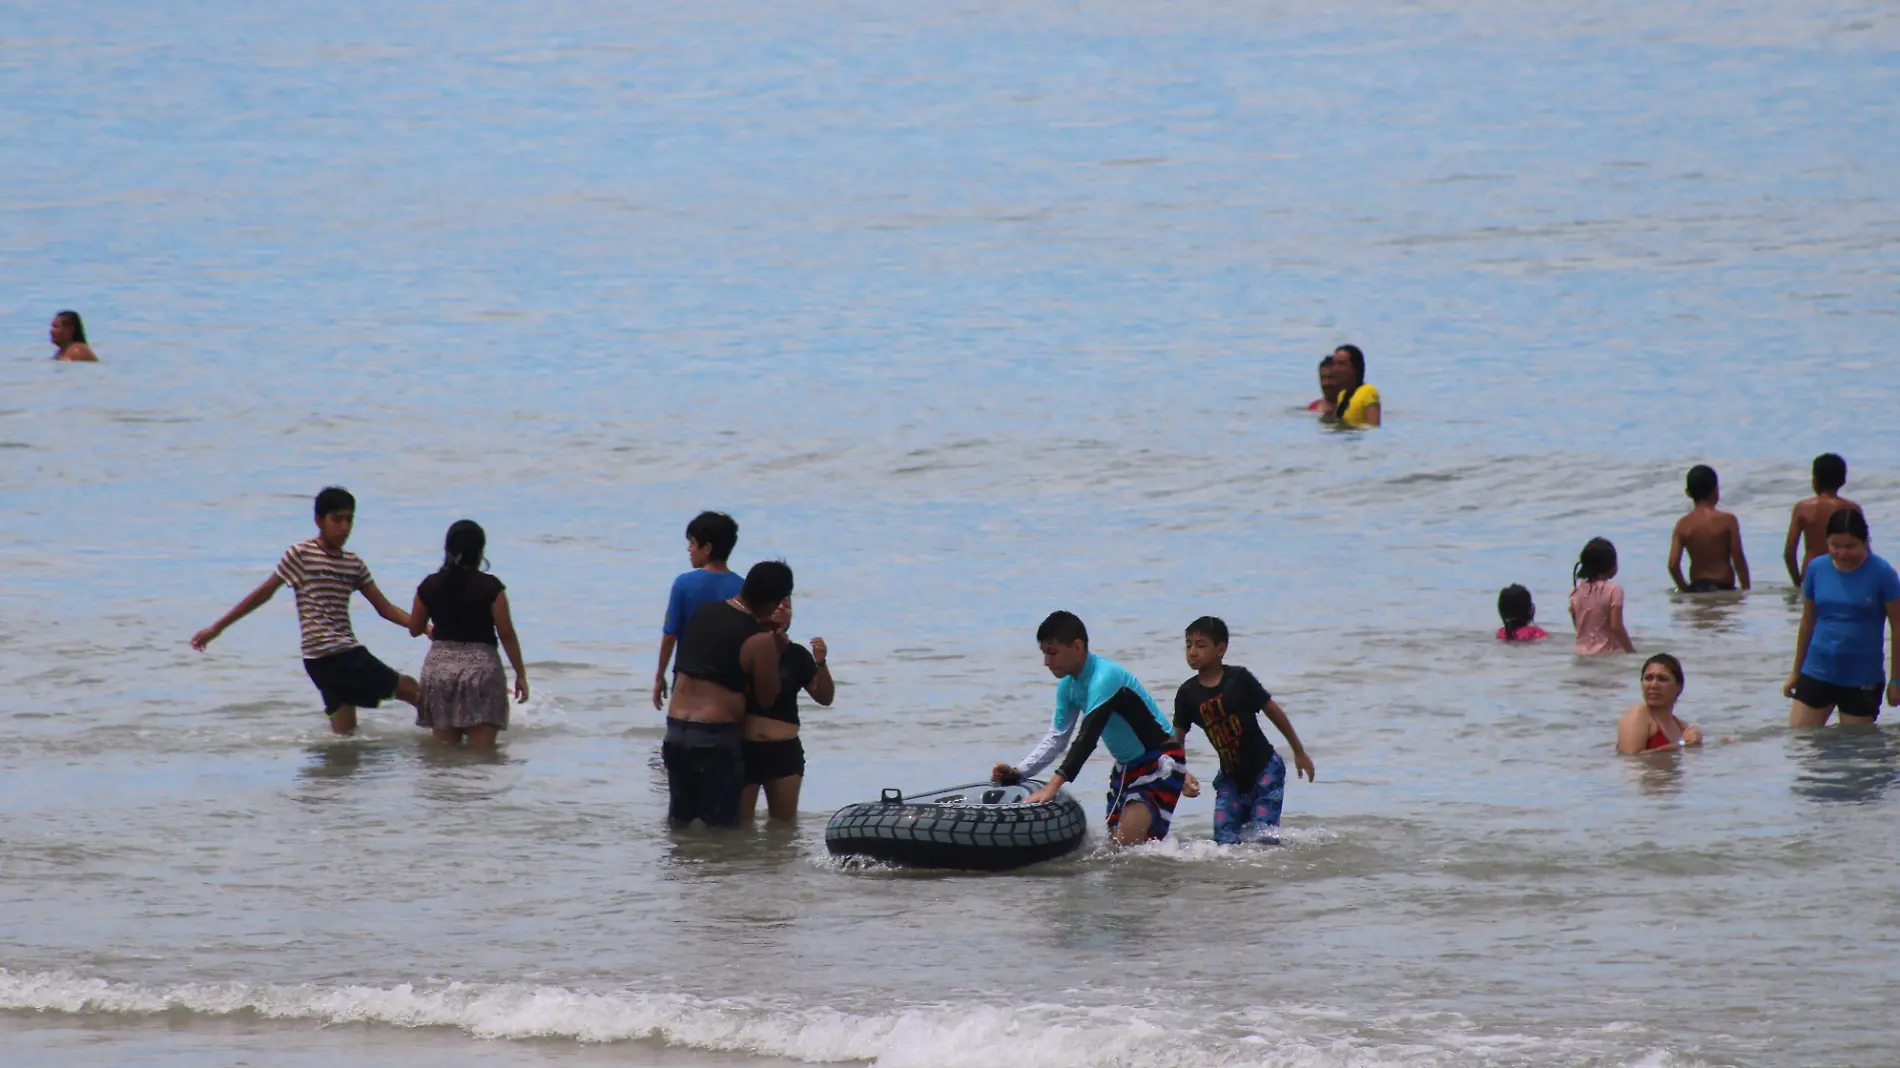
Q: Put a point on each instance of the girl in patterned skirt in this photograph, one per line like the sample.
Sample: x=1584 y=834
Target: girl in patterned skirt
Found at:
x=464 y=693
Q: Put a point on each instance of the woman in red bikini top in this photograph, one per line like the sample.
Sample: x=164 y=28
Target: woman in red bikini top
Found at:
x=1651 y=724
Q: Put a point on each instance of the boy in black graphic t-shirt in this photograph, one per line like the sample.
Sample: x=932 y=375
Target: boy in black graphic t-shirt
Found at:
x=1225 y=702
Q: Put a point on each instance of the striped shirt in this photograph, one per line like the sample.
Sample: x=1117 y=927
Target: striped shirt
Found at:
x=324 y=584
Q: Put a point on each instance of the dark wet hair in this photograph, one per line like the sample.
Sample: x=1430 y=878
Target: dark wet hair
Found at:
x=1516 y=609
x=768 y=583
x=715 y=530
x=72 y=319
x=334 y=499
x=1357 y=359
x=1209 y=627
x=1670 y=662
x=1830 y=473
x=1701 y=482
x=1848 y=521
x=1596 y=561
x=462 y=552
x=1325 y=361
x=1063 y=628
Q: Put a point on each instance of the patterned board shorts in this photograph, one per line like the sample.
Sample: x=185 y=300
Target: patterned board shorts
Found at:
x=1155 y=779
x=1255 y=810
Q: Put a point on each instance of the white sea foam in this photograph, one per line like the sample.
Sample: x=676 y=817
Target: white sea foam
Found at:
x=925 y=1036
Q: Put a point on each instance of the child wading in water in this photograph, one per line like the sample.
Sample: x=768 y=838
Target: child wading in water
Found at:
x=1596 y=603
x=1226 y=703
x=1516 y=610
x=464 y=693
x=324 y=577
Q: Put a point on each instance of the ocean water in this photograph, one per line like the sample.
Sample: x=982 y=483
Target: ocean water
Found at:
x=969 y=313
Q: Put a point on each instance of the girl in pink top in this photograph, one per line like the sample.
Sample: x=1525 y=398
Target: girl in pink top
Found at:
x=1516 y=609
x=1596 y=603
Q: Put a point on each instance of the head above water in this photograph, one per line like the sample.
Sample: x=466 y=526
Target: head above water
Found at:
x=1352 y=361
x=710 y=538
x=1830 y=473
x=1702 y=485
x=1662 y=680
x=336 y=516
x=1596 y=563
x=766 y=586
x=68 y=328
x=1206 y=642
x=1847 y=539
x=464 y=545
x=1515 y=609
x=1065 y=643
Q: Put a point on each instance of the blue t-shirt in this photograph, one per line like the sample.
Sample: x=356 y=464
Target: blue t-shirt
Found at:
x=695 y=588
x=1100 y=680
x=1850 y=616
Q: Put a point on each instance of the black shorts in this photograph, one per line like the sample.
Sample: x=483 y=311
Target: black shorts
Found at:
x=352 y=677
x=705 y=772
x=1863 y=701
x=766 y=761
x=1709 y=586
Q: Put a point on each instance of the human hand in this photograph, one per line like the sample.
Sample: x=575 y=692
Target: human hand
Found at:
x=1044 y=795
x=209 y=634
x=1691 y=735
x=1191 y=787
x=1004 y=774
x=1787 y=688
x=1302 y=765
x=659 y=691
x=818 y=650
x=521 y=689
x=1893 y=694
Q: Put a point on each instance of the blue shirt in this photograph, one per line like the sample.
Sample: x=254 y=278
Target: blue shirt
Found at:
x=1850 y=615
x=1100 y=683
x=695 y=588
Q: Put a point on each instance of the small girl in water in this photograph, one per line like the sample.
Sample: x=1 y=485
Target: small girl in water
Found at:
x=1516 y=609
x=1596 y=603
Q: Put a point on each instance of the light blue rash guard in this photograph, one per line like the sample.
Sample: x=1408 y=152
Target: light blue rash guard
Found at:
x=1114 y=703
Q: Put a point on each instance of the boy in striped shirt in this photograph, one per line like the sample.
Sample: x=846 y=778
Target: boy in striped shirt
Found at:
x=324 y=577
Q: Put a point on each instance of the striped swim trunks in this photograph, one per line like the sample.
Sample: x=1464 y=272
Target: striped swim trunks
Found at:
x=1154 y=779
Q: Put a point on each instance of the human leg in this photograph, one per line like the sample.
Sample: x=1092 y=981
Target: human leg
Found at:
x=343 y=719
x=749 y=804
x=1860 y=706
x=781 y=798
x=1814 y=702
x=1230 y=811
x=447 y=735
x=1268 y=794
x=483 y=736
x=407 y=691
x=1135 y=822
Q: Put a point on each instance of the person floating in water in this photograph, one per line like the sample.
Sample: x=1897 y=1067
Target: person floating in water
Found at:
x=1226 y=703
x=1712 y=537
x=710 y=538
x=1808 y=523
x=1357 y=403
x=1113 y=709
x=1846 y=596
x=68 y=335
x=1651 y=723
x=324 y=577
x=729 y=657
x=1517 y=611
x=1596 y=603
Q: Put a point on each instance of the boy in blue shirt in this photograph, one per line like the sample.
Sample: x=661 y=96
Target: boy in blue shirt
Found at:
x=710 y=538
x=1111 y=707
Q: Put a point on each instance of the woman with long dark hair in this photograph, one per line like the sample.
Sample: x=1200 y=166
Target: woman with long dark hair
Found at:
x=464 y=693
x=68 y=335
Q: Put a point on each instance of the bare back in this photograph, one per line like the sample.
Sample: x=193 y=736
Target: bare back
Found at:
x=1712 y=538
x=1810 y=519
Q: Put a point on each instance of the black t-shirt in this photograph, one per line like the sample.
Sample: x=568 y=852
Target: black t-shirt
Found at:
x=795 y=670
x=709 y=649
x=461 y=604
x=1230 y=715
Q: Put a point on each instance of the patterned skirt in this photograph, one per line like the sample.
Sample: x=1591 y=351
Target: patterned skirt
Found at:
x=462 y=686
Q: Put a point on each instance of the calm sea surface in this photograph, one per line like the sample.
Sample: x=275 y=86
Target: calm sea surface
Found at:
x=970 y=313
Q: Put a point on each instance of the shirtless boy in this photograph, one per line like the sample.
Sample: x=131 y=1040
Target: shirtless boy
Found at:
x=1712 y=536
x=1809 y=522
x=325 y=576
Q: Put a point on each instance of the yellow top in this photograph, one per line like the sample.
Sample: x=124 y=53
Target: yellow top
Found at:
x=1364 y=397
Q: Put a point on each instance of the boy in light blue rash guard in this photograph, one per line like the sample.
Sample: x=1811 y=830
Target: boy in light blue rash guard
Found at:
x=709 y=541
x=1111 y=707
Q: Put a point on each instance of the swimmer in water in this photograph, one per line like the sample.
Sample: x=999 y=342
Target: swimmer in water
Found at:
x=68 y=335
x=1712 y=537
x=1651 y=724
x=1357 y=404
x=1328 y=387
x=1808 y=523
x=1516 y=610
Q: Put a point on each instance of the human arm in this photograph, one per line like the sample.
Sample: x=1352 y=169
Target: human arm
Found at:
x=1373 y=415
x=1087 y=736
x=1802 y=636
x=667 y=641
x=1790 y=547
x=1675 y=559
x=822 y=689
x=510 y=642
x=1617 y=630
x=265 y=591
x=1301 y=762
x=1741 y=558
x=1061 y=726
x=418 y=616
x=1632 y=731
x=383 y=608
x=1893 y=662
x=759 y=657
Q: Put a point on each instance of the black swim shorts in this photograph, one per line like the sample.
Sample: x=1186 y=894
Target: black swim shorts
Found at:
x=766 y=761
x=1709 y=586
x=705 y=772
x=1863 y=701
x=352 y=677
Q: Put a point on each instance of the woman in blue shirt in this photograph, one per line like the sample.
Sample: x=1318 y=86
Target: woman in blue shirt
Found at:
x=1845 y=598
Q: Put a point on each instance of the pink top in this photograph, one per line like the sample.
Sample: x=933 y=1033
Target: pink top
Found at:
x=1591 y=604
x=1529 y=632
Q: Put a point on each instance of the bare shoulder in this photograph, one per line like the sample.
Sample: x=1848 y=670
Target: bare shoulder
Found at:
x=79 y=352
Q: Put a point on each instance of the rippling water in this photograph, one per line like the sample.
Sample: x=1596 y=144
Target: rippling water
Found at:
x=969 y=313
